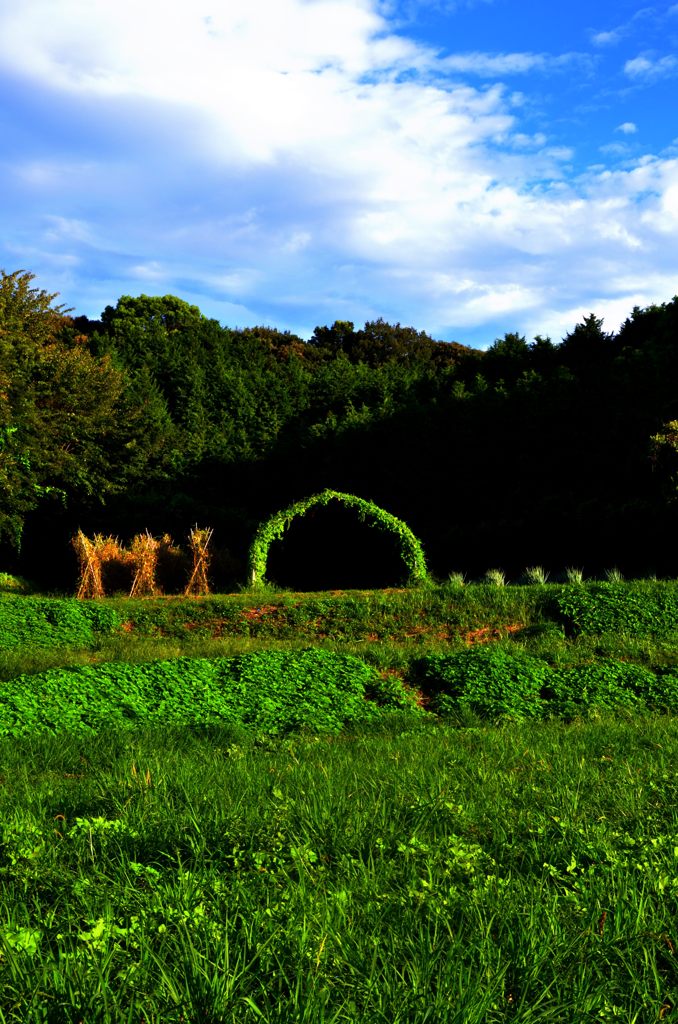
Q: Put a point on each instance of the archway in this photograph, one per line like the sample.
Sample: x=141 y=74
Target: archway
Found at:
x=274 y=528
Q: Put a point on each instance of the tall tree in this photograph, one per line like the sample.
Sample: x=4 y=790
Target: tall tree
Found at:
x=60 y=407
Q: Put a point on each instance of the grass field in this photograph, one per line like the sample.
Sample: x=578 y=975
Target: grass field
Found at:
x=408 y=869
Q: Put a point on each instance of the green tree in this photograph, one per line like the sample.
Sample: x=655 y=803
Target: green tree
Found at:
x=587 y=347
x=664 y=457
x=58 y=405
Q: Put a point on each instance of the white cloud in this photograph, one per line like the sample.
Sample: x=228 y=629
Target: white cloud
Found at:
x=297 y=157
x=615 y=35
x=499 y=65
x=614 y=149
x=646 y=68
x=607 y=38
x=152 y=272
x=627 y=128
x=67 y=229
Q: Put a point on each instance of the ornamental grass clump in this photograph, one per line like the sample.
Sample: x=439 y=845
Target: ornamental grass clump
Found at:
x=492 y=682
x=495 y=577
x=535 y=575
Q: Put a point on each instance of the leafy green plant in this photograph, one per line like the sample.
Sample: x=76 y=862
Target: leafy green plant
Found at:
x=388 y=690
x=490 y=681
x=274 y=528
x=269 y=691
x=661 y=692
x=606 y=685
x=53 y=622
x=312 y=689
x=637 y=609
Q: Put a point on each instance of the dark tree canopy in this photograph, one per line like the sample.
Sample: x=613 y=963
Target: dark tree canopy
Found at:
x=530 y=452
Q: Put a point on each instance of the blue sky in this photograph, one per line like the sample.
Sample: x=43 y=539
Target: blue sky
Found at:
x=466 y=168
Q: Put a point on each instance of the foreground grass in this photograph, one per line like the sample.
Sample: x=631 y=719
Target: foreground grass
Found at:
x=411 y=873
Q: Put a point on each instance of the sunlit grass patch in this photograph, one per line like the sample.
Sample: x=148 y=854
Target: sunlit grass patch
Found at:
x=398 y=870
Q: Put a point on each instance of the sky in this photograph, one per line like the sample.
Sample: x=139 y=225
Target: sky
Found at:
x=464 y=167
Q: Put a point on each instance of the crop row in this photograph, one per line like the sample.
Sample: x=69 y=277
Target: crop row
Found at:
x=321 y=691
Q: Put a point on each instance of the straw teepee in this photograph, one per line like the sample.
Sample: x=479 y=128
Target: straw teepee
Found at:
x=92 y=555
x=198 y=583
x=144 y=555
x=89 y=584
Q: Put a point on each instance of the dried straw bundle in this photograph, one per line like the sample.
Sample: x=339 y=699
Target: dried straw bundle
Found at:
x=168 y=548
x=93 y=555
x=198 y=583
x=90 y=584
x=144 y=554
x=109 y=549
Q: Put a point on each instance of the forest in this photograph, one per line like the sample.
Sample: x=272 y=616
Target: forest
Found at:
x=156 y=417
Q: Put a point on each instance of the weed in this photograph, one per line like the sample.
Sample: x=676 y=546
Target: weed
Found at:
x=495 y=577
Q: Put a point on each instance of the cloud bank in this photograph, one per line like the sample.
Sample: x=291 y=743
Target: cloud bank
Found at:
x=300 y=161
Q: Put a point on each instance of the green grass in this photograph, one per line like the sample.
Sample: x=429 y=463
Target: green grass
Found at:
x=409 y=870
x=405 y=873
x=635 y=621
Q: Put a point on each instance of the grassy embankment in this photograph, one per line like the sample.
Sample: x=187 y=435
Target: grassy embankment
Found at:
x=406 y=869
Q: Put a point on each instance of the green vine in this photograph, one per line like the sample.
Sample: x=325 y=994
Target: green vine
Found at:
x=273 y=529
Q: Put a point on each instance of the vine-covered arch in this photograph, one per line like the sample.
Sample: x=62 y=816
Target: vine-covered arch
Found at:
x=273 y=529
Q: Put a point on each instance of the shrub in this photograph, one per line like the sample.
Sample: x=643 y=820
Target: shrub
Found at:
x=607 y=685
x=490 y=681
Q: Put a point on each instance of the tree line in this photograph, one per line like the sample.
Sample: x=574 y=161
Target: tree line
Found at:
x=158 y=417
